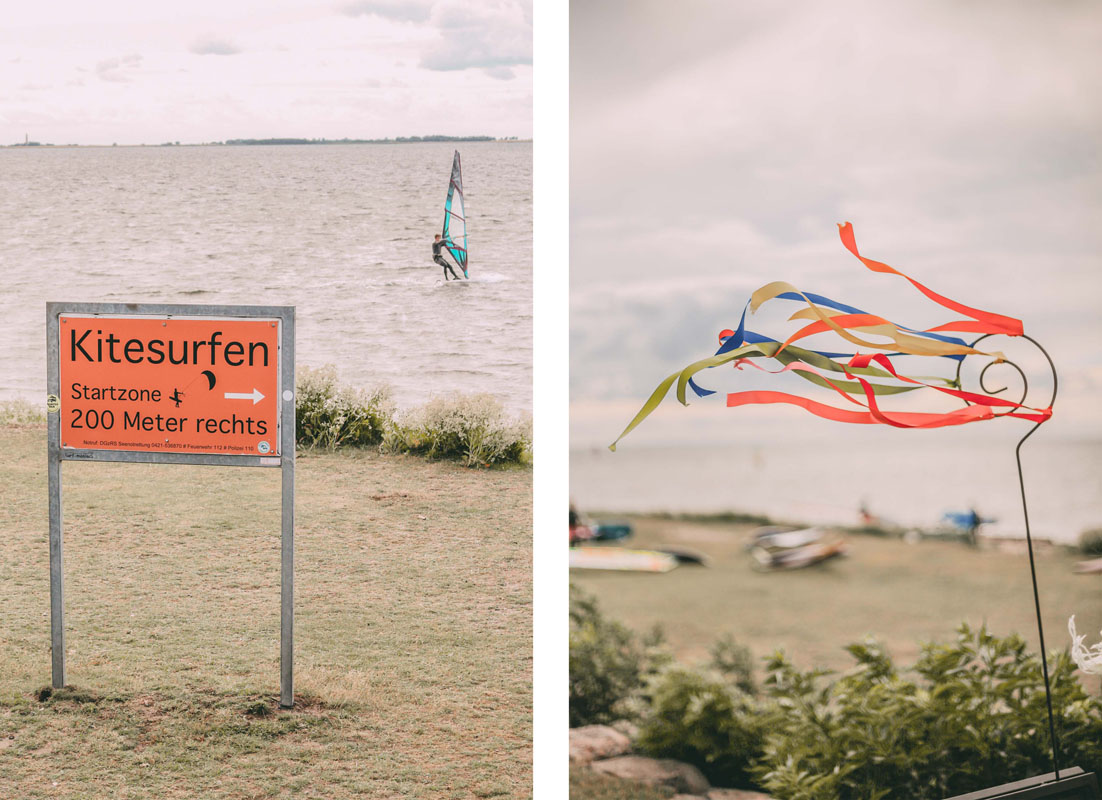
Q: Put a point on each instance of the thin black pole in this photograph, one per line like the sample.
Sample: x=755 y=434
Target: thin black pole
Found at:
x=1037 y=606
x=1028 y=535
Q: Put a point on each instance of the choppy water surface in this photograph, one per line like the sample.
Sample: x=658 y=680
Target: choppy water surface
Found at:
x=341 y=232
x=911 y=485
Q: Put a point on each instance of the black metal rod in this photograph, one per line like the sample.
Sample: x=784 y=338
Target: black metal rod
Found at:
x=1037 y=606
x=1029 y=545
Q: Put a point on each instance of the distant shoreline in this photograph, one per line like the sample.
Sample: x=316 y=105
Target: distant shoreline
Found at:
x=287 y=141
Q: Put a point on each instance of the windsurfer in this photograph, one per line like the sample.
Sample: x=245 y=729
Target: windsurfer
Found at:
x=437 y=245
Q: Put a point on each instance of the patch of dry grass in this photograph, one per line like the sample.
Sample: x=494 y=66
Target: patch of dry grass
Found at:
x=588 y=785
x=413 y=630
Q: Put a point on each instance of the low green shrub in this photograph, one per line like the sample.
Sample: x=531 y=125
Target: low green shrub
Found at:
x=609 y=664
x=473 y=428
x=705 y=720
x=969 y=715
x=1090 y=542
x=734 y=662
x=328 y=415
x=16 y=413
x=975 y=717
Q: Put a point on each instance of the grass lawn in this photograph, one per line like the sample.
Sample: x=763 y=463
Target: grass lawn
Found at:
x=900 y=593
x=413 y=630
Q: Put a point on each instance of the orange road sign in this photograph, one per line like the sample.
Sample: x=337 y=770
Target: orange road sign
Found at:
x=170 y=384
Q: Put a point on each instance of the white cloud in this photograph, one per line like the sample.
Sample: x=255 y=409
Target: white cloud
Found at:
x=476 y=35
x=119 y=70
x=493 y=37
x=501 y=73
x=213 y=46
x=398 y=10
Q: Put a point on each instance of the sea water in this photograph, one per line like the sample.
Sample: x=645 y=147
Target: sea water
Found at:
x=905 y=480
x=341 y=232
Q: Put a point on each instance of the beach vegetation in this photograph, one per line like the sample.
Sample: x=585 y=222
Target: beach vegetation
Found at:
x=1090 y=542
x=329 y=415
x=734 y=662
x=969 y=714
x=18 y=413
x=474 y=429
x=701 y=718
x=610 y=664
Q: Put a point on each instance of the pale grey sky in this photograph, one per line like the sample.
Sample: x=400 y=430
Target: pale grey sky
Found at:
x=714 y=147
x=209 y=70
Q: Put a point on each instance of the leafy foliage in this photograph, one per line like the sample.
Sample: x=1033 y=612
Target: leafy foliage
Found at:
x=1090 y=542
x=975 y=718
x=473 y=428
x=16 y=413
x=705 y=720
x=609 y=664
x=328 y=415
x=734 y=661
x=968 y=715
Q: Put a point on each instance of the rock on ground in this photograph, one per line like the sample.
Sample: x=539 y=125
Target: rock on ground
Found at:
x=677 y=775
x=591 y=742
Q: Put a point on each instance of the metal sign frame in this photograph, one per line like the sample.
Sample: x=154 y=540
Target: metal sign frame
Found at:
x=285 y=460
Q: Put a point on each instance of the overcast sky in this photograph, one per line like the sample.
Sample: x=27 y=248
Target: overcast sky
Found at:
x=714 y=147
x=209 y=70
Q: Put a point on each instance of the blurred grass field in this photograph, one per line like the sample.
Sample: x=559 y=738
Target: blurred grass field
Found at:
x=413 y=635
x=898 y=592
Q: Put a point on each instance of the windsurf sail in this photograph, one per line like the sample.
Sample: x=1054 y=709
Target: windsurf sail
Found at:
x=455 y=218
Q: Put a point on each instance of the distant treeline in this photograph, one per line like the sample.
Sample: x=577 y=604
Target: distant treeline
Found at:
x=399 y=140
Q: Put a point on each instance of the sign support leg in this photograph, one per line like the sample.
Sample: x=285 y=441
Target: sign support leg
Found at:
x=287 y=524
x=57 y=583
x=287 y=588
x=53 y=455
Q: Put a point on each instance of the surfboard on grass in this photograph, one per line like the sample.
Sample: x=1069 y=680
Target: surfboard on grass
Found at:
x=620 y=558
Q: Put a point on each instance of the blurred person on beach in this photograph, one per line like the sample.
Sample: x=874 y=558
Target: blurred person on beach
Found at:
x=438 y=244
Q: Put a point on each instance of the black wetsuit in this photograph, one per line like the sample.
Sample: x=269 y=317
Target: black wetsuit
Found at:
x=437 y=246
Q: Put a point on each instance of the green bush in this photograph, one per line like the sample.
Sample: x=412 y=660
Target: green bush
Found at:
x=329 y=416
x=706 y=721
x=473 y=428
x=976 y=717
x=609 y=664
x=1090 y=542
x=19 y=412
x=969 y=715
x=734 y=662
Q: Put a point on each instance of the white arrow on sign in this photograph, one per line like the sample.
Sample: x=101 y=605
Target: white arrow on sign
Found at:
x=254 y=395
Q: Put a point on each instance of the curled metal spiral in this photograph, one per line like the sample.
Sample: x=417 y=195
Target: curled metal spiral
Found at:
x=1025 y=510
x=1005 y=362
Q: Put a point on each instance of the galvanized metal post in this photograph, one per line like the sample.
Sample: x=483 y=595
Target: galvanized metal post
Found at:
x=53 y=454
x=287 y=526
